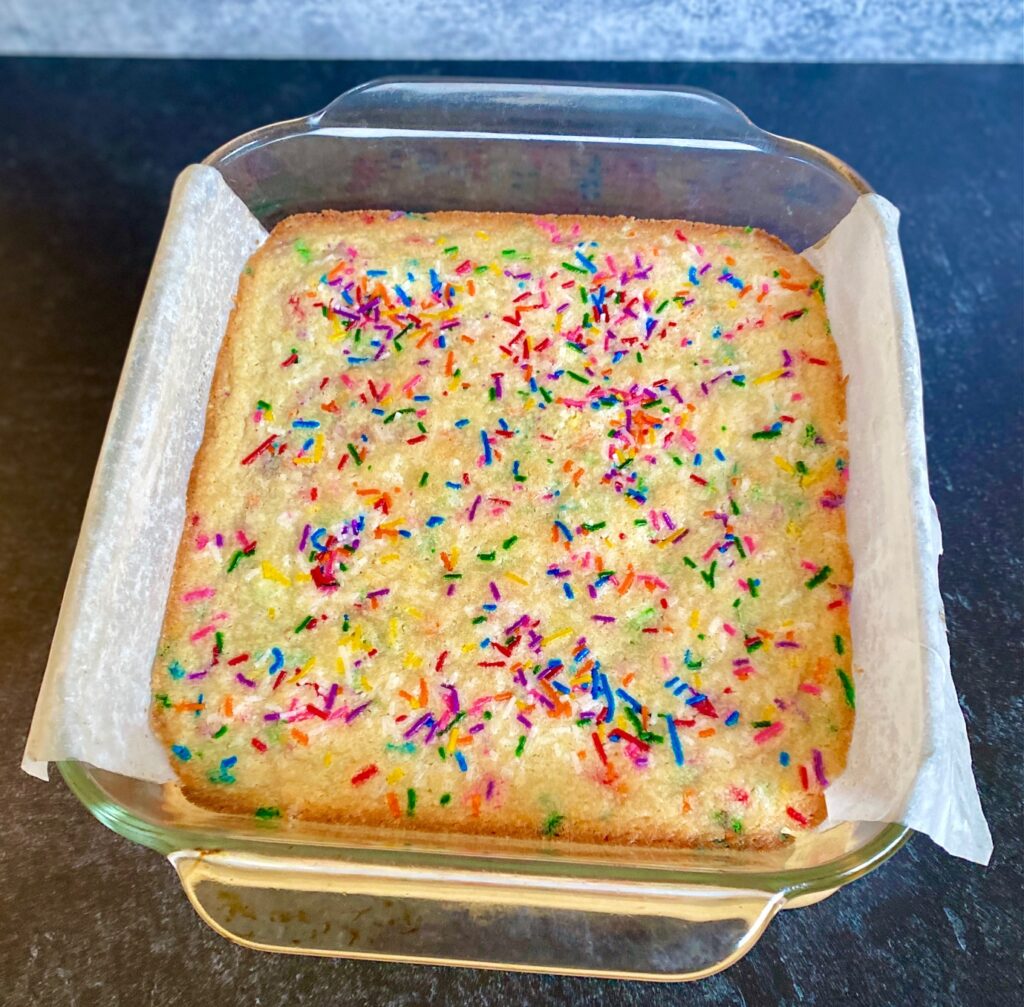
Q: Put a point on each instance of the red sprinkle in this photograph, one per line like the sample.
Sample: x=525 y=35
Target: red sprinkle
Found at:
x=364 y=774
x=796 y=816
x=258 y=745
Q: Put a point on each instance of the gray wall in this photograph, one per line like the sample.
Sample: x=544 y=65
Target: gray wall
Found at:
x=790 y=30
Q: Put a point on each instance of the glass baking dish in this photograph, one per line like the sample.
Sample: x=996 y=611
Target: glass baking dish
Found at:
x=546 y=905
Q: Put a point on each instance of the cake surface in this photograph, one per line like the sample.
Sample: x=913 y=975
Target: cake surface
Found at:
x=516 y=525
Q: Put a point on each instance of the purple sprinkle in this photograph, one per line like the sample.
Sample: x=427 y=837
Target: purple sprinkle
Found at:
x=819 y=768
x=219 y=539
x=305 y=538
x=522 y=720
x=197 y=674
x=476 y=728
x=495 y=592
x=417 y=724
x=352 y=714
x=786 y=643
x=245 y=681
x=472 y=510
x=271 y=716
x=331 y=696
x=378 y=592
x=603 y=618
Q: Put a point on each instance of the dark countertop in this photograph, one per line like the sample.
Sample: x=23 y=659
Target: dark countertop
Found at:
x=88 y=153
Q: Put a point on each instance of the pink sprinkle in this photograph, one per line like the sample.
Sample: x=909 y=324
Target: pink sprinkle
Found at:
x=728 y=629
x=769 y=732
x=199 y=593
x=812 y=689
x=202 y=541
x=749 y=543
x=200 y=633
x=809 y=566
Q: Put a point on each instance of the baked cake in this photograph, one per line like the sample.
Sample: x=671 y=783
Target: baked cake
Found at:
x=517 y=525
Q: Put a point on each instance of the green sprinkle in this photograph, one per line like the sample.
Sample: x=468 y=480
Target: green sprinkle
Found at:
x=508 y=252
x=234 y=559
x=848 y=689
x=263 y=406
x=453 y=576
x=451 y=249
x=661 y=307
x=164 y=700
x=578 y=377
x=509 y=542
x=583 y=295
x=767 y=435
x=709 y=576
x=761 y=723
x=219 y=641
x=266 y=814
x=755 y=644
x=424 y=478
x=810 y=434
x=445 y=798
x=521 y=745
x=689 y=562
x=487 y=557
x=739 y=549
x=554 y=820
x=480 y=269
x=594 y=527
x=736 y=603
x=801 y=468
x=410 y=802
x=573 y=269
x=819 y=578
x=838 y=641
x=355 y=454
x=734 y=507
x=302 y=625
x=302 y=248
x=479 y=619
x=737 y=826
x=221 y=731
x=677 y=459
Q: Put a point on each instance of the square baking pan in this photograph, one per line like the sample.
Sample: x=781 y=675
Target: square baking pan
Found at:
x=544 y=905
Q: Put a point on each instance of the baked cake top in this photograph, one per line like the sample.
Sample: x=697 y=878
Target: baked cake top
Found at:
x=518 y=525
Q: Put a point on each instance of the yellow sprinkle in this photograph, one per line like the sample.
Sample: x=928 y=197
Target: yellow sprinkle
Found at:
x=783 y=464
x=467 y=647
x=339 y=665
x=271 y=613
x=302 y=578
x=733 y=303
x=556 y=636
x=484 y=235
x=452 y=739
x=414 y=612
x=516 y=579
x=412 y=660
x=396 y=774
x=389 y=557
x=328 y=758
x=792 y=528
x=270 y=572
x=770 y=376
x=696 y=681
x=694 y=619
x=318 y=449
x=392 y=630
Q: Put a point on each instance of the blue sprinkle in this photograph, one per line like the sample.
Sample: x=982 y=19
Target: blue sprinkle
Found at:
x=461 y=423
x=461 y=760
x=490 y=607
x=278 y=662
x=672 y=681
x=228 y=762
x=435 y=282
x=681 y=688
x=176 y=670
x=732 y=718
x=735 y=281
x=453 y=486
x=693 y=276
x=487 y=447
x=719 y=455
x=697 y=697
x=376 y=272
x=627 y=698
x=697 y=459
x=716 y=332
x=784 y=758
x=434 y=520
x=377 y=412
x=421 y=398
x=586 y=263
x=308 y=444
x=405 y=533
x=306 y=424
x=347 y=297
x=650 y=325
x=568 y=590
x=502 y=423
x=564 y=530
x=563 y=689
x=673 y=735
x=181 y=752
